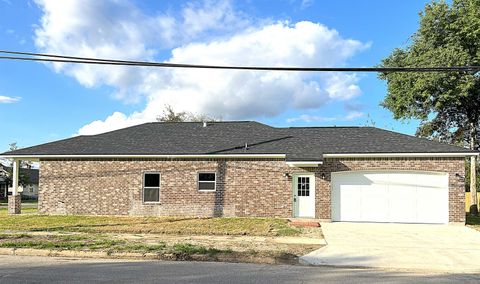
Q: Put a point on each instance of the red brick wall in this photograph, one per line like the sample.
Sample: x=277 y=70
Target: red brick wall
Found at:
x=244 y=187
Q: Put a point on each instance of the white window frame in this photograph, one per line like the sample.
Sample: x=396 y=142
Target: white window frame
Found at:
x=214 y=182
x=143 y=187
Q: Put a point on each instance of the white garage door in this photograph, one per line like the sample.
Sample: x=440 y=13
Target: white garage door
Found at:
x=387 y=196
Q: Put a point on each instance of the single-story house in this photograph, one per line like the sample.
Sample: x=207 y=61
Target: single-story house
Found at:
x=246 y=168
x=30 y=188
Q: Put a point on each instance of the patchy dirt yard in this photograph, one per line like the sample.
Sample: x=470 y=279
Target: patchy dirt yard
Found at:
x=241 y=239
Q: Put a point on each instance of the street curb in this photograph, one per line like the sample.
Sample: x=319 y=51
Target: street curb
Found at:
x=220 y=257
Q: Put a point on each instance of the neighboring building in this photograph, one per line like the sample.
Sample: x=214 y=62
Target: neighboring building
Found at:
x=30 y=189
x=252 y=169
x=3 y=185
x=4 y=181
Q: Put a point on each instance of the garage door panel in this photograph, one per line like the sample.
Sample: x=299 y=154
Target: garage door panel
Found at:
x=374 y=205
x=431 y=200
x=432 y=181
x=406 y=179
x=372 y=178
x=388 y=196
x=403 y=204
x=350 y=196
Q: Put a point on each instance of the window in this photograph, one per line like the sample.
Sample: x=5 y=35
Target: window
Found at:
x=151 y=187
x=303 y=186
x=206 y=181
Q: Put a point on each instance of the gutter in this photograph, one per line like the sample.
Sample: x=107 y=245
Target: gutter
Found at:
x=387 y=155
x=249 y=156
x=305 y=164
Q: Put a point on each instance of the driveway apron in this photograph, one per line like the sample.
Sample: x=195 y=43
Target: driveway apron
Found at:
x=399 y=246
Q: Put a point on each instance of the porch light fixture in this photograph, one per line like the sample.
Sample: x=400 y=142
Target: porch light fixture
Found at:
x=459 y=176
x=323 y=175
x=286 y=175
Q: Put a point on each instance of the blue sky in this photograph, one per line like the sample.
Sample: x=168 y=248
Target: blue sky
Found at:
x=41 y=103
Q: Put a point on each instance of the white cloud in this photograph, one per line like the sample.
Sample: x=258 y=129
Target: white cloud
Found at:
x=240 y=94
x=211 y=15
x=8 y=100
x=352 y=115
x=306 y=3
x=210 y=33
x=115 y=121
x=108 y=29
x=119 y=30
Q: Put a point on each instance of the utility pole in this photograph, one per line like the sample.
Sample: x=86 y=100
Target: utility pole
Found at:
x=473 y=186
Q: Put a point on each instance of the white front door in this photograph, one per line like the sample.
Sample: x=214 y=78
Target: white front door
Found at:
x=304 y=195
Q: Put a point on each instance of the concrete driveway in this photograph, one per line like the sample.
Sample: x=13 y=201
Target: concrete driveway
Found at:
x=399 y=246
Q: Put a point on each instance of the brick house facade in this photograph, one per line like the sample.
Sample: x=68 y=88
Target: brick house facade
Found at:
x=245 y=187
x=246 y=168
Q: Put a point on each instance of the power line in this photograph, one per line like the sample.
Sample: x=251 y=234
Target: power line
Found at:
x=103 y=61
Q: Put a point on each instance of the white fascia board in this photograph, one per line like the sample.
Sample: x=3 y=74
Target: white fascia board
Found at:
x=387 y=155
x=304 y=164
x=250 y=156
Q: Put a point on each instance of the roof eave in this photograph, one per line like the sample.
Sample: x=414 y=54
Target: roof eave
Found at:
x=407 y=155
x=304 y=164
x=173 y=156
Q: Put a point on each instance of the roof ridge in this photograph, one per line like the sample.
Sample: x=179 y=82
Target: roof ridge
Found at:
x=306 y=127
x=181 y=122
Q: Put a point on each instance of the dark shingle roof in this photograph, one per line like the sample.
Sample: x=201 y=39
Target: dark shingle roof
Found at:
x=191 y=138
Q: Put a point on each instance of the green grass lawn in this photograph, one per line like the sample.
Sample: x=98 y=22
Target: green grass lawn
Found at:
x=30 y=221
x=28 y=207
x=32 y=210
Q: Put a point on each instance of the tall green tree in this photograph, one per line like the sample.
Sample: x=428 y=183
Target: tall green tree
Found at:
x=446 y=103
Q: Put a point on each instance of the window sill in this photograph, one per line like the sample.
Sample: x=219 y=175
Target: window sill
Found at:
x=151 y=203
x=207 y=190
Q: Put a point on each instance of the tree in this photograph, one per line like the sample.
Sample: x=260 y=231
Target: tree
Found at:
x=169 y=115
x=446 y=103
x=467 y=177
x=23 y=179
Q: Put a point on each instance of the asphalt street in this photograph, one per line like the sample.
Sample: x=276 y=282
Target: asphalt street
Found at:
x=28 y=269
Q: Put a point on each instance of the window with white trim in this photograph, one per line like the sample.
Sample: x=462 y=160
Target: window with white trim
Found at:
x=151 y=187
x=207 y=181
x=303 y=186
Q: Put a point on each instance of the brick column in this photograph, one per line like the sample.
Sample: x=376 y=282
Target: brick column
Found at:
x=14 y=204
